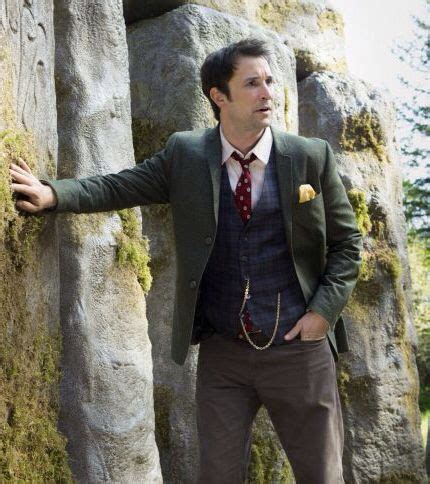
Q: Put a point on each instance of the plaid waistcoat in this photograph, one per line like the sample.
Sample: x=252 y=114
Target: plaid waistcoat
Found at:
x=257 y=250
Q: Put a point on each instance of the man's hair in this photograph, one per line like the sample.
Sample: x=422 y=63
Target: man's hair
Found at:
x=218 y=67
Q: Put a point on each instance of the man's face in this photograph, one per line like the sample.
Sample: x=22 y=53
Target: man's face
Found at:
x=250 y=105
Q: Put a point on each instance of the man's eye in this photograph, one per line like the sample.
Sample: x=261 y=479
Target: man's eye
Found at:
x=269 y=81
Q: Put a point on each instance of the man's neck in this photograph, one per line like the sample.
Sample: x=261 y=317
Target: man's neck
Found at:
x=242 y=141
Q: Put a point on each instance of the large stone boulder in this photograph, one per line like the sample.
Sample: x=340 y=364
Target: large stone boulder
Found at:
x=172 y=48
x=378 y=379
x=314 y=29
x=31 y=450
x=107 y=395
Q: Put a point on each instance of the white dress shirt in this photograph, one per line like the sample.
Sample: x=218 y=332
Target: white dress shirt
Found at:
x=257 y=168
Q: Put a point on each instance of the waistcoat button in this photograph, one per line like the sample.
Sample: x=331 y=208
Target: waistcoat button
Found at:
x=208 y=240
x=193 y=284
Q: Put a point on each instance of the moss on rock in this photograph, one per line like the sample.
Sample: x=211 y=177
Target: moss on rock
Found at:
x=275 y=13
x=357 y=199
x=163 y=401
x=148 y=137
x=18 y=231
x=331 y=20
x=268 y=461
x=363 y=131
x=31 y=448
x=133 y=249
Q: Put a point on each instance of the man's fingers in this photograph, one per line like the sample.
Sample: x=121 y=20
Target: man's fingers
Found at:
x=293 y=332
x=18 y=169
x=27 y=206
x=24 y=165
x=21 y=188
x=20 y=178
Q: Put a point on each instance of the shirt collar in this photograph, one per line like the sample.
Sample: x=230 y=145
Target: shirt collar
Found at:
x=261 y=149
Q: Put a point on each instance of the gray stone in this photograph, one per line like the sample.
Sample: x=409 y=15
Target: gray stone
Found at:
x=314 y=29
x=107 y=395
x=378 y=379
x=135 y=10
x=29 y=274
x=172 y=48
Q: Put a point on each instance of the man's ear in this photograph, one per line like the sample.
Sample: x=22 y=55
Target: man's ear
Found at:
x=217 y=96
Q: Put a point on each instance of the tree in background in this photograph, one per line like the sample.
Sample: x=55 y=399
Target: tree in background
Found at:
x=414 y=115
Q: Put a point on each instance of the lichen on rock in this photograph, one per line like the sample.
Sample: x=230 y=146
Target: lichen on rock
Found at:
x=148 y=138
x=133 y=249
x=268 y=461
x=357 y=199
x=363 y=131
x=331 y=20
x=32 y=449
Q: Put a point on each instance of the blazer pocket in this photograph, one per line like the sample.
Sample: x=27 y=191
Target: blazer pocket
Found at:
x=310 y=202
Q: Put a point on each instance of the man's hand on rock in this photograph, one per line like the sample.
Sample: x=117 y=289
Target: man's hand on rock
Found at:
x=311 y=326
x=37 y=195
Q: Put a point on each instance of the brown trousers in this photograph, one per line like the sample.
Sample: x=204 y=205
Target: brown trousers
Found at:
x=296 y=382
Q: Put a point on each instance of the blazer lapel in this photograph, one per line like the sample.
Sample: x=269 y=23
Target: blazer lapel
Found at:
x=213 y=154
x=284 y=171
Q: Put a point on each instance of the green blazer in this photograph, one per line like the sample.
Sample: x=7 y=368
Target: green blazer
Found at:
x=321 y=234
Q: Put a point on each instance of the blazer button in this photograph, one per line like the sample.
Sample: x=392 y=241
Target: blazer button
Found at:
x=193 y=284
x=244 y=258
x=208 y=240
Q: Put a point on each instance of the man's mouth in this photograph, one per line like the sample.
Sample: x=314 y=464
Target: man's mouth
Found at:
x=264 y=110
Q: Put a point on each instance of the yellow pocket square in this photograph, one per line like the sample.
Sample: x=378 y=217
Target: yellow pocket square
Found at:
x=306 y=193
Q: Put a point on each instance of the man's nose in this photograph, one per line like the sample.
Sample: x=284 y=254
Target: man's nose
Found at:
x=267 y=91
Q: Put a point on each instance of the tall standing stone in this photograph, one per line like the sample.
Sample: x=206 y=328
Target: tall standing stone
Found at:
x=166 y=54
x=378 y=378
x=106 y=401
x=31 y=448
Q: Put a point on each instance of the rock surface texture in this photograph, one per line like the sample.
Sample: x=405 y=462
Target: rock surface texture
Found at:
x=172 y=47
x=378 y=380
x=314 y=29
x=106 y=395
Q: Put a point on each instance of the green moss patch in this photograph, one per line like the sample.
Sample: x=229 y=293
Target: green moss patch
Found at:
x=133 y=249
x=31 y=448
x=357 y=199
x=378 y=261
x=363 y=131
x=268 y=461
x=383 y=256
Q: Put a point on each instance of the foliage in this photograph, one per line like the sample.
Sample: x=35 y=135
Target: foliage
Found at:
x=414 y=116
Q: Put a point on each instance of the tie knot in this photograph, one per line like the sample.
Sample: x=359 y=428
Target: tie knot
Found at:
x=244 y=162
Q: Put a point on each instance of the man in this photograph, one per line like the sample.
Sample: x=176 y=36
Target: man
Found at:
x=268 y=253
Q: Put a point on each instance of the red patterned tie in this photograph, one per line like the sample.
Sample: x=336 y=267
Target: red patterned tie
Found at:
x=242 y=194
x=242 y=197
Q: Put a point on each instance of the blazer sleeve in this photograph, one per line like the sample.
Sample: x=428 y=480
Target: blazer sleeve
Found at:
x=147 y=182
x=344 y=245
